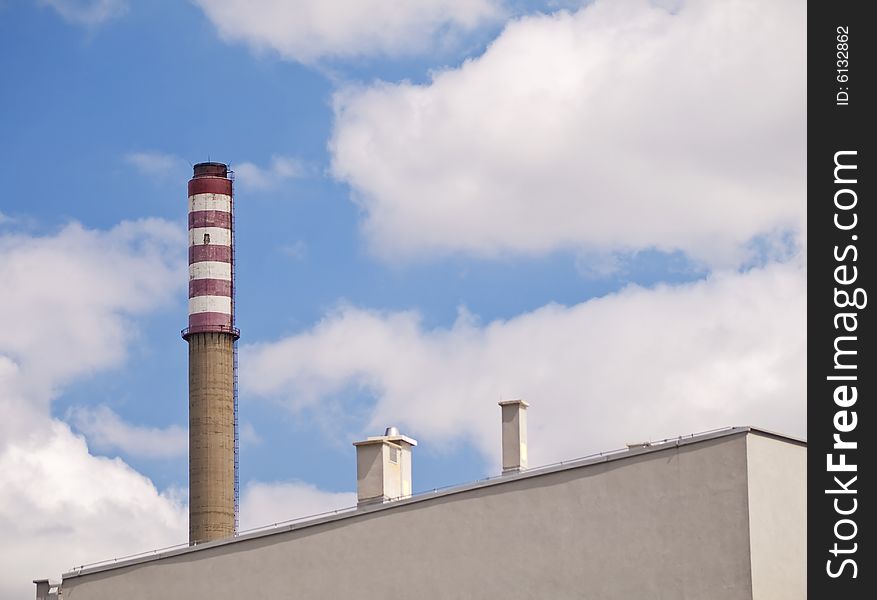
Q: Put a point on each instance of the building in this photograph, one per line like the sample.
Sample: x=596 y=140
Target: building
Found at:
x=713 y=516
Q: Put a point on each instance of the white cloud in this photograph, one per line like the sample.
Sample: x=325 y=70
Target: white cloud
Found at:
x=157 y=164
x=280 y=169
x=639 y=364
x=68 y=298
x=62 y=507
x=307 y=30
x=66 y=311
x=87 y=12
x=618 y=127
x=265 y=504
x=106 y=431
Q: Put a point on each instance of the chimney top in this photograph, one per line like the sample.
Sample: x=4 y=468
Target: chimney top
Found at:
x=210 y=169
x=519 y=402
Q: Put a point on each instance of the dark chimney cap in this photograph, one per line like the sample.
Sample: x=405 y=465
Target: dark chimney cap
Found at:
x=211 y=169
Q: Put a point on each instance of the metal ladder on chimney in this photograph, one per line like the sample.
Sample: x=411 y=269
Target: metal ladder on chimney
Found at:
x=235 y=355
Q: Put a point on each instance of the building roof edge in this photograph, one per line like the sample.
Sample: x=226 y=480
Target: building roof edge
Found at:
x=314 y=520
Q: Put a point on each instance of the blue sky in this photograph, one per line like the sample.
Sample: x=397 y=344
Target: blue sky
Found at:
x=463 y=197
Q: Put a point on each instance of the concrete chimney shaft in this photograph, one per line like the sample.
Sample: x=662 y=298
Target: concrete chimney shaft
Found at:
x=383 y=468
x=514 y=435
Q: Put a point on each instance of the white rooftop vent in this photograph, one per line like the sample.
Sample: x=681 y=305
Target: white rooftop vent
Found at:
x=383 y=467
x=514 y=435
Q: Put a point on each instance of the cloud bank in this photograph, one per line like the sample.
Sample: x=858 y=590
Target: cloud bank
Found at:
x=66 y=311
x=636 y=365
x=308 y=30
x=108 y=432
x=61 y=505
x=264 y=504
x=618 y=127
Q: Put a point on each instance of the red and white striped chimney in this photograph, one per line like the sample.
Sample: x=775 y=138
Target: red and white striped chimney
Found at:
x=211 y=250
x=212 y=337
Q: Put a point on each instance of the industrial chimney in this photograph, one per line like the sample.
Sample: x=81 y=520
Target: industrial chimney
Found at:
x=212 y=339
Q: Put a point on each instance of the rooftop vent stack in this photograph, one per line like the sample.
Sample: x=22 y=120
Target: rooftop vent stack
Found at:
x=514 y=436
x=212 y=338
x=383 y=467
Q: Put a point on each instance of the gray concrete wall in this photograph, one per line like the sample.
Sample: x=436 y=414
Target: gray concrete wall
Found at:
x=668 y=525
x=777 y=518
